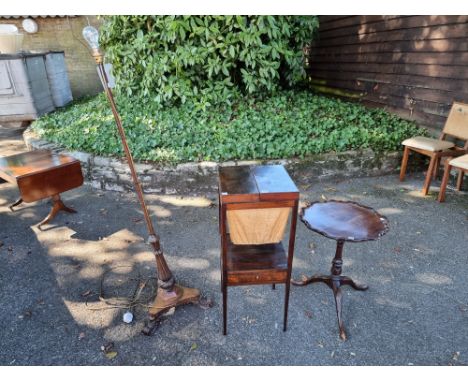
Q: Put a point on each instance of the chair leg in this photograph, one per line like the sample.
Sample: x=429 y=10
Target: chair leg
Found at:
x=445 y=179
x=273 y=286
x=224 y=309
x=404 y=163
x=461 y=173
x=427 y=182
x=436 y=169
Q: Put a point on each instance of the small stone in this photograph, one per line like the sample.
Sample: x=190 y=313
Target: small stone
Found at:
x=127 y=317
x=107 y=347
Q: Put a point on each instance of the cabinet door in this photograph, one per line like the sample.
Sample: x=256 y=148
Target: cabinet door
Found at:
x=6 y=84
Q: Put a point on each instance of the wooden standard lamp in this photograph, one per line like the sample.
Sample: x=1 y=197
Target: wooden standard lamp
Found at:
x=169 y=294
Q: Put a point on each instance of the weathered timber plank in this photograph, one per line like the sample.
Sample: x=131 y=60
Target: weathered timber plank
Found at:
x=439 y=45
x=415 y=114
x=386 y=25
x=365 y=87
x=347 y=21
x=436 y=58
x=410 y=80
x=440 y=71
x=422 y=33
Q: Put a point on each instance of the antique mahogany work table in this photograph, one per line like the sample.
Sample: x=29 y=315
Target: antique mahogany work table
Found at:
x=42 y=174
x=341 y=221
x=255 y=203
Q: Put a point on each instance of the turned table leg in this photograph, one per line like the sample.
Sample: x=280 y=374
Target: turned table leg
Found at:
x=17 y=203
x=337 y=265
x=57 y=206
x=334 y=282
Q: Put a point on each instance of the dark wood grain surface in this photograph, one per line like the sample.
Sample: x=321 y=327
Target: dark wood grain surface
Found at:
x=41 y=174
x=344 y=220
x=237 y=184
x=255 y=183
x=274 y=182
x=31 y=162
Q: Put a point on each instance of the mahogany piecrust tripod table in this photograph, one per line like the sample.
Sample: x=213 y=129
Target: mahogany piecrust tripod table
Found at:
x=41 y=174
x=341 y=221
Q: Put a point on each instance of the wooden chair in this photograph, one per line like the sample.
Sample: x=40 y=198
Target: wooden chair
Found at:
x=460 y=163
x=456 y=127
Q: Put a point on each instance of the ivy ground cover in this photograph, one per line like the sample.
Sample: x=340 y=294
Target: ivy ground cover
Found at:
x=285 y=125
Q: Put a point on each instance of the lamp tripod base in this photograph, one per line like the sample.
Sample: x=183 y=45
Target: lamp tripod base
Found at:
x=167 y=299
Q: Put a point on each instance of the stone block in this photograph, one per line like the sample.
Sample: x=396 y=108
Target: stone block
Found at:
x=113 y=187
x=99 y=161
x=81 y=156
x=191 y=167
x=142 y=168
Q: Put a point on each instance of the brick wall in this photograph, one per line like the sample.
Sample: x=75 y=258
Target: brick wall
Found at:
x=64 y=33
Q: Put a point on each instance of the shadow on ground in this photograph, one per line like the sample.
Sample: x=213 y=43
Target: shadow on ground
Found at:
x=415 y=311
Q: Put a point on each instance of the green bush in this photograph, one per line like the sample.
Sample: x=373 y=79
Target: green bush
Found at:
x=288 y=124
x=207 y=59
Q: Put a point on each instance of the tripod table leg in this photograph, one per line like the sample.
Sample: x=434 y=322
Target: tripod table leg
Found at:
x=17 y=203
x=338 y=302
x=56 y=207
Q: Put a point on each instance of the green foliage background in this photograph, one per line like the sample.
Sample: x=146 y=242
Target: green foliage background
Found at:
x=290 y=124
x=206 y=59
x=217 y=88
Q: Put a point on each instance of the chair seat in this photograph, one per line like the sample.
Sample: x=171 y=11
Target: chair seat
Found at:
x=430 y=144
x=461 y=162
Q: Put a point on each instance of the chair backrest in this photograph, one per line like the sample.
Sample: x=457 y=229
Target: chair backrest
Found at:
x=457 y=121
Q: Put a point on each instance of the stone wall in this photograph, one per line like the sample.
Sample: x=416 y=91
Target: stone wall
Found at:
x=198 y=178
x=64 y=33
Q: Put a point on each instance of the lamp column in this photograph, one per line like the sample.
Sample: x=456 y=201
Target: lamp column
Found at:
x=169 y=293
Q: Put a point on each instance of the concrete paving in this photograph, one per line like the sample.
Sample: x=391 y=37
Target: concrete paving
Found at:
x=414 y=313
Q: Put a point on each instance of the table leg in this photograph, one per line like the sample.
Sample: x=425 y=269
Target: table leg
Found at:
x=224 y=309
x=57 y=206
x=338 y=303
x=334 y=281
x=17 y=203
x=337 y=265
x=345 y=280
x=313 y=279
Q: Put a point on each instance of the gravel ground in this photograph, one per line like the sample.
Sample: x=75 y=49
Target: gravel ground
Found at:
x=414 y=313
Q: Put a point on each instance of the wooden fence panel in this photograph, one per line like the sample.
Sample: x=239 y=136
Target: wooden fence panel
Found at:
x=415 y=66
